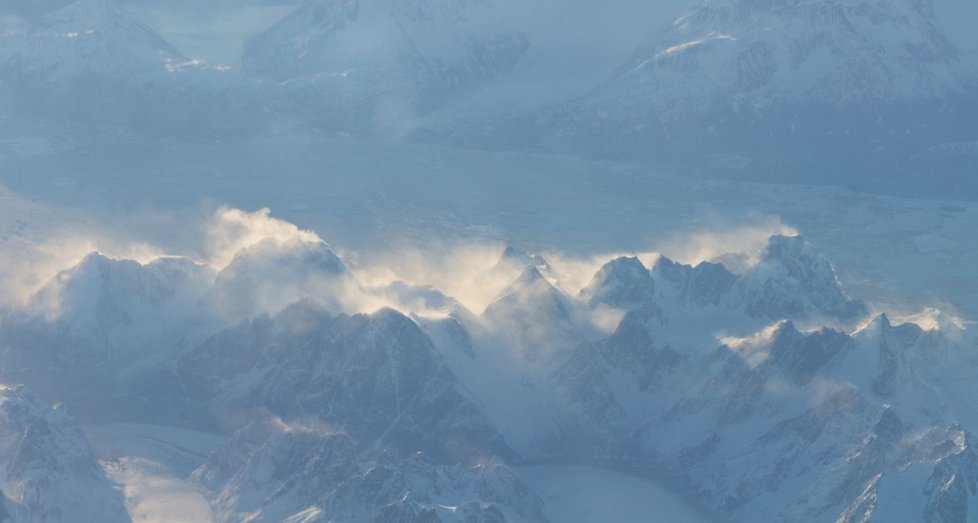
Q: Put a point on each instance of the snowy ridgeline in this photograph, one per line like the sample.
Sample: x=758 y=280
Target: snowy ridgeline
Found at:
x=762 y=394
x=800 y=86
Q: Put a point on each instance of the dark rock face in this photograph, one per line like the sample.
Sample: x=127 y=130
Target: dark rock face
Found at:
x=375 y=377
x=276 y=471
x=632 y=347
x=953 y=482
x=714 y=378
x=701 y=286
x=789 y=280
x=537 y=314
x=804 y=282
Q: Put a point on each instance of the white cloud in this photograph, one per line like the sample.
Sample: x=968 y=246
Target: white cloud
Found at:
x=737 y=246
x=231 y=230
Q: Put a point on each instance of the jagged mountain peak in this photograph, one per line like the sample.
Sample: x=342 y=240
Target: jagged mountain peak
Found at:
x=792 y=280
x=272 y=274
x=784 y=349
x=530 y=289
x=390 y=318
x=514 y=259
x=623 y=268
x=881 y=325
x=623 y=282
x=706 y=284
x=102 y=292
x=785 y=245
x=531 y=275
x=107 y=266
x=98 y=269
x=539 y=317
x=891 y=360
x=883 y=320
x=376 y=377
x=669 y=267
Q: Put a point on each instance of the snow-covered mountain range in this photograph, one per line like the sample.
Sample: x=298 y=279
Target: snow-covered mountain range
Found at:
x=277 y=378
x=375 y=65
x=866 y=85
x=783 y=75
x=764 y=394
x=94 y=62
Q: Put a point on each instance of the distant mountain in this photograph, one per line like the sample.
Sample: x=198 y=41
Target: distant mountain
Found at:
x=374 y=65
x=791 y=90
x=855 y=92
x=94 y=62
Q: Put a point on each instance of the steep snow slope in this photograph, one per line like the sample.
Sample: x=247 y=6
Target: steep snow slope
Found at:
x=763 y=427
x=97 y=323
x=375 y=377
x=282 y=472
x=49 y=470
x=111 y=326
x=113 y=306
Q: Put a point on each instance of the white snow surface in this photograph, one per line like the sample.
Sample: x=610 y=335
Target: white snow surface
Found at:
x=575 y=493
x=152 y=464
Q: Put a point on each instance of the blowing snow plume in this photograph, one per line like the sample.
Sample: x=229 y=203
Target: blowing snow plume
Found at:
x=457 y=360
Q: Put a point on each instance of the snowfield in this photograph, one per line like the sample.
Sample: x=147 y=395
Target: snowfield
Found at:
x=152 y=464
x=579 y=493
